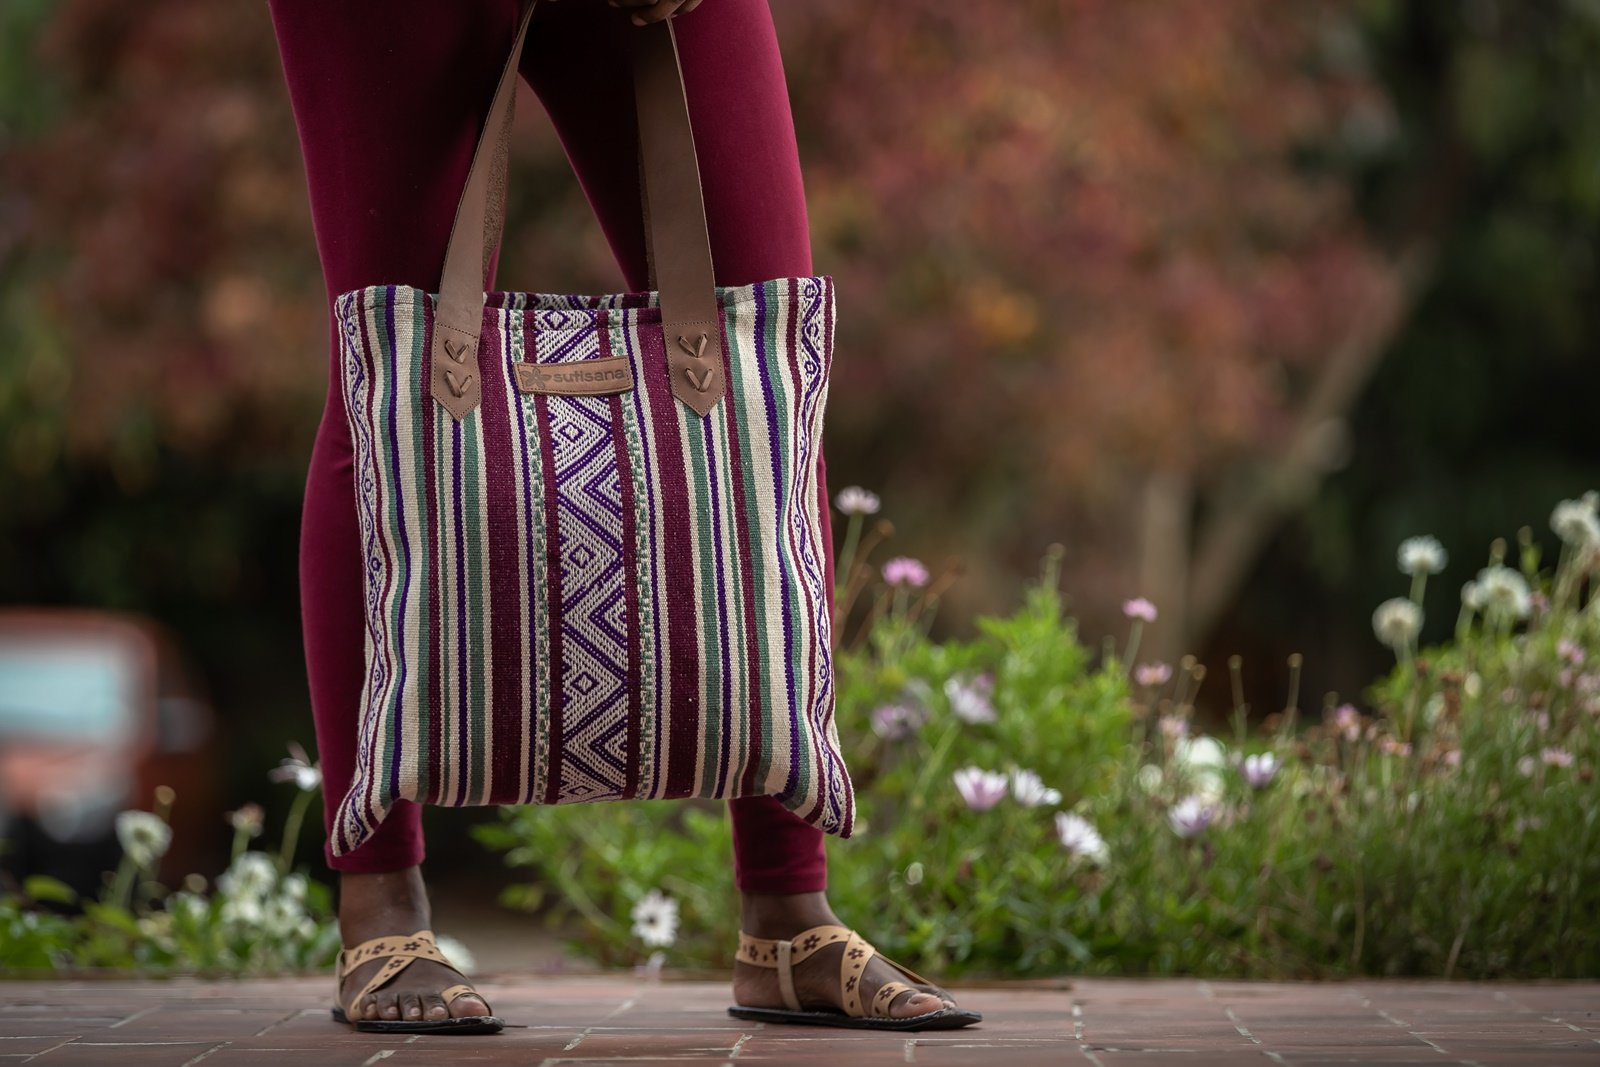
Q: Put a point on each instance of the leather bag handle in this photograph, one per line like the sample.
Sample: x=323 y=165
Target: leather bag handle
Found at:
x=675 y=233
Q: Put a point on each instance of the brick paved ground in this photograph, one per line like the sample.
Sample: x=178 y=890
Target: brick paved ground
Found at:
x=623 y=1021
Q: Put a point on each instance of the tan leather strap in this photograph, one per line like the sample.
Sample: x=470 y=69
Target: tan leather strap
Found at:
x=879 y=1009
x=454 y=993
x=857 y=954
x=399 y=953
x=458 y=316
x=675 y=221
x=791 y=999
x=763 y=952
x=784 y=955
x=675 y=233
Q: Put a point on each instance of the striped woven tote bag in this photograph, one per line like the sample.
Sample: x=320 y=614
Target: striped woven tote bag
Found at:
x=593 y=556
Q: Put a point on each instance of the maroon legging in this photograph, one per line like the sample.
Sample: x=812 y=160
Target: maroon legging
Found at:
x=389 y=97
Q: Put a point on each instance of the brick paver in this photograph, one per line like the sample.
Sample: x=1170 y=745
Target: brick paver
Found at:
x=627 y=1021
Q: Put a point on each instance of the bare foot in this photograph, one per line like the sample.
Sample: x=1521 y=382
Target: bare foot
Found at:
x=396 y=905
x=816 y=981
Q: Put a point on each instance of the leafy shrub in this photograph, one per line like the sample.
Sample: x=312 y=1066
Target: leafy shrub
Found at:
x=1451 y=829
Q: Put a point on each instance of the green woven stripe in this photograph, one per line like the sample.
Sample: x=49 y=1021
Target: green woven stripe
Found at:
x=540 y=597
x=393 y=520
x=756 y=597
x=643 y=553
x=420 y=664
x=736 y=654
x=777 y=370
x=702 y=545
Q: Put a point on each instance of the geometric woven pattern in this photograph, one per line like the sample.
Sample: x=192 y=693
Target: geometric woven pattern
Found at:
x=578 y=598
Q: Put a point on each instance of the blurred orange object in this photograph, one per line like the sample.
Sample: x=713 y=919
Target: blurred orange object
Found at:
x=97 y=709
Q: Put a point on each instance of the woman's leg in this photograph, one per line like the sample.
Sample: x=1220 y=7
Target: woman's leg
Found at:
x=388 y=97
x=576 y=60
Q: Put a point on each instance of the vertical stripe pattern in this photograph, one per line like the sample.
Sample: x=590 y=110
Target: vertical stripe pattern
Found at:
x=581 y=598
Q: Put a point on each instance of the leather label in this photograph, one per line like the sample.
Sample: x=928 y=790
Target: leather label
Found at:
x=586 y=377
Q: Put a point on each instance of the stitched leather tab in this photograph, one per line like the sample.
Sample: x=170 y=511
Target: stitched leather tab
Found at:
x=584 y=377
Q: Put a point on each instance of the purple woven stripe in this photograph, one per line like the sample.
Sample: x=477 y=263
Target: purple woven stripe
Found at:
x=507 y=592
x=658 y=664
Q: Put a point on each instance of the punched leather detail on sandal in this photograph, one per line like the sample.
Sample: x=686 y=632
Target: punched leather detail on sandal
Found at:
x=401 y=952
x=785 y=955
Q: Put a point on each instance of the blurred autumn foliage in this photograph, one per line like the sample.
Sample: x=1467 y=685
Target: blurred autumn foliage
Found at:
x=1115 y=273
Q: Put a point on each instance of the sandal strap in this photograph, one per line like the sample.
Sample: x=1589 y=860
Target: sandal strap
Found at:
x=791 y=999
x=763 y=951
x=456 y=992
x=884 y=997
x=782 y=955
x=379 y=947
x=857 y=954
x=400 y=953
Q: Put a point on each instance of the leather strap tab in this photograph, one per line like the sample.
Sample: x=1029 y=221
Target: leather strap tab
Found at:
x=675 y=225
x=458 y=317
x=675 y=221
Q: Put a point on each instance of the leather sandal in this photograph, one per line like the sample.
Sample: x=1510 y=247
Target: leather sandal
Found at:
x=401 y=951
x=785 y=955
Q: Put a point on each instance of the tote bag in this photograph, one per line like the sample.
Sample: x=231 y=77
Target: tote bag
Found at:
x=592 y=550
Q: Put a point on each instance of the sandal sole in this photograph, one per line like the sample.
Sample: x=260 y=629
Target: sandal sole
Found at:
x=943 y=1019
x=471 y=1024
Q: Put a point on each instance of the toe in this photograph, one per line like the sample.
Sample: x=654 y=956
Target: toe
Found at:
x=468 y=1004
x=907 y=1006
x=411 y=1006
x=390 y=1009
x=433 y=1007
x=369 y=1008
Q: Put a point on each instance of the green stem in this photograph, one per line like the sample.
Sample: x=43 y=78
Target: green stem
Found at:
x=1133 y=643
x=932 y=766
x=847 y=555
x=291 y=829
x=122 y=884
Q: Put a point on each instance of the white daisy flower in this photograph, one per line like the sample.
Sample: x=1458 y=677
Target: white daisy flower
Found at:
x=854 y=500
x=970 y=698
x=1029 y=790
x=1422 y=555
x=1575 y=522
x=144 y=837
x=1505 y=592
x=1190 y=816
x=298 y=769
x=655 y=919
x=1079 y=837
x=1397 y=622
x=980 y=789
x=250 y=877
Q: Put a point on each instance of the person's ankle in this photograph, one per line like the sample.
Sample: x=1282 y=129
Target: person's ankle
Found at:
x=783 y=914
x=390 y=902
